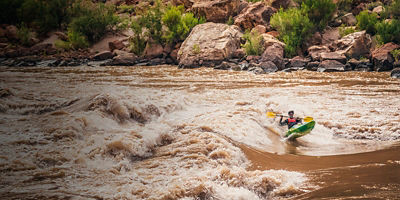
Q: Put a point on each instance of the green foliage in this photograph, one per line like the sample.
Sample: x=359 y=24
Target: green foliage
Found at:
x=76 y=40
x=343 y=30
x=230 y=21
x=254 y=43
x=151 y=20
x=372 y=5
x=138 y=40
x=367 y=21
x=394 y=9
x=320 y=12
x=293 y=28
x=344 y=5
x=396 y=54
x=388 y=31
x=92 y=20
x=24 y=35
x=126 y=8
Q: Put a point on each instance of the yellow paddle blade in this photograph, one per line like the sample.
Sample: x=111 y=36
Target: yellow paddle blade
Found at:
x=271 y=114
x=308 y=119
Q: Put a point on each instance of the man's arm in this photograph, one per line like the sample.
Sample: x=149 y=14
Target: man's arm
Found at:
x=283 y=123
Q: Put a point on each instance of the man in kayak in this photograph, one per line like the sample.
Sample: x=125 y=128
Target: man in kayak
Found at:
x=291 y=121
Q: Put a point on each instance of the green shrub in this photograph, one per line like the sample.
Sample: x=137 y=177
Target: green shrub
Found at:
x=344 y=5
x=151 y=20
x=367 y=21
x=77 y=40
x=394 y=9
x=293 y=28
x=24 y=35
x=320 y=12
x=388 y=31
x=396 y=54
x=372 y=5
x=126 y=8
x=254 y=43
x=343 y=30
x=92 y=20
x=63 y=45
x=138 y=40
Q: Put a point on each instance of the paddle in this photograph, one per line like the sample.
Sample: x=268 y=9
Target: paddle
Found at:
x=273 y=115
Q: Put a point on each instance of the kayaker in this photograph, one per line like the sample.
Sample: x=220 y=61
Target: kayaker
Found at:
x=291 y=121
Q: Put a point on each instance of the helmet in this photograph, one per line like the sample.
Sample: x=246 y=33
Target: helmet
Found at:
x=291 y=112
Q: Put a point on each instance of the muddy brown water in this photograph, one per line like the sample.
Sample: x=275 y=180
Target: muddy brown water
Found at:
x=167 y=133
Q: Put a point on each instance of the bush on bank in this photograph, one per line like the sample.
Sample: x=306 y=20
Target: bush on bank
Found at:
x=254 y=43
x=162 y=25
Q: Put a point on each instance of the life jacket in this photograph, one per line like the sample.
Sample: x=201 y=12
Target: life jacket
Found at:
x=291 y=120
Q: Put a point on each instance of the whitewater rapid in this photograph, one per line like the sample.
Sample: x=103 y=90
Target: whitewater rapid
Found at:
x=167 y=133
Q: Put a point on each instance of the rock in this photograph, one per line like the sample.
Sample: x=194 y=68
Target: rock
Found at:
x=277 y=4
x=274 y=53
x=382 y=58
x=260 y=29
x=43 y=48
x=349 y=19
x=239 y=53
x=315 y=52
x=174 y=55
x=2 y=32
x=298 y=62
x=331 y=66
x=378 y=9
x=312 y=66
x=116 y=44
x=333 y=56
x=315 y=39
x=253 y=15
x=273 y=33
x=153 y=50
x=360 y=65
x=354 y=45
x=256 y=70
x=98 y=63
x=360 y=7
x=395 y=73
x=268 y=66
x=217 y=11
x=253 y=59
x=209 y=43
x=104 y=55
x=61 y=35
x=242 y=6
x=167 y=49
x=330 y=35
x=3 y=45
x=123 y=59
x=226 y=65
x=12 y=32
x=46 y=63
x=244 y=65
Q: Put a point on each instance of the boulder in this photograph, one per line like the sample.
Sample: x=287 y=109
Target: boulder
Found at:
x=226 y=65
x=268 y=66
x=349 y=19
x=153 y=50
x=2 y=32
x=216 y=10
x=331 y=66
x=395 y=73
x=360 y=65
x=104 y=55
x=273 y=33
x=382 y=58
x=312 y=66
x=360 y=7
x=277 y=4
x=116 y=44
x=123 y=58
x=174 y=55
x=253 y=15
x=209 y=43
x=61 y=35
x=239 y=53
x=260 y=29
x=298 y=62
x=42 y=48
x=12 y=32
x=378 y=9
x=270 y=40
x=315 y=39
x=274 y=53
x=354 y=45
x=333 y=56
x=315 y=52
x=330 y=35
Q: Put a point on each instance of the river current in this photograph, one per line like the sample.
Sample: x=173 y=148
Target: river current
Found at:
x=167 y=133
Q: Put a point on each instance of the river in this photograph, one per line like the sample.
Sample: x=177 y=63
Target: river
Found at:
x=167 y=133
